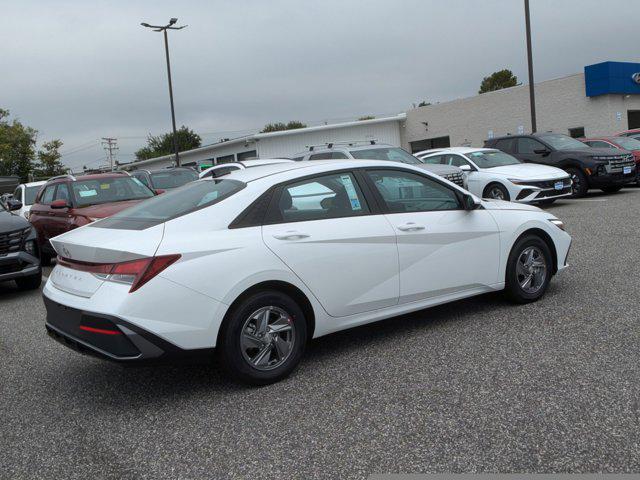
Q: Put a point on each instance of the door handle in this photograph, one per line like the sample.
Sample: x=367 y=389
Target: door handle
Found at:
x=410 y=227
x=290 y=235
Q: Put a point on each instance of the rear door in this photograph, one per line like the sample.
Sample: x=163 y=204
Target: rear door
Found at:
x=335 y=241
x=60 y=219
x=443 y=249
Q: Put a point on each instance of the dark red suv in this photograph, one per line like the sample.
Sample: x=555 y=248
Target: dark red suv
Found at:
x=67 y=202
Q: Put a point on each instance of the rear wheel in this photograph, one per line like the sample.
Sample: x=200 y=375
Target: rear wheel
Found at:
x=496 y=191
x=611 y=189
x=263 y=338
x=31 y=282
x=529 y=269
x=579 y=185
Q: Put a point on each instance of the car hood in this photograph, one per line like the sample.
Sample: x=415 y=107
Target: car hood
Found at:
x=591 y=151
x=528 y=171
x=104 y=210
x=10 y=222
x=439 y=169
x=503 y=205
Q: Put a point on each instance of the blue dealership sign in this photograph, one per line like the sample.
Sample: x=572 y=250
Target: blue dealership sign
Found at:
x=612 y=77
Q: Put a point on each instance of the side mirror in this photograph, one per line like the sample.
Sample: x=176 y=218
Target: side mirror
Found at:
x=14 y=204
x=59 y=204
x=542 y=151
x=471 y=202
x=159 y=191
x=465 y=167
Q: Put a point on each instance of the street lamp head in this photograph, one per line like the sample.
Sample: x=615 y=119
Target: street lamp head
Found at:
x=172 y=21
x=145 y=24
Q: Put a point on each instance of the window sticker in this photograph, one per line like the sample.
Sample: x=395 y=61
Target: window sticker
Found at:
x=88 y=193
x=105 y=186
x=351 y=192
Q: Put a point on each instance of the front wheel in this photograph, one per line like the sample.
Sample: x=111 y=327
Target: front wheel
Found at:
x=263 y=338
x=496 y=191
x=529 y=269
x=611 y=189
x=579 y=185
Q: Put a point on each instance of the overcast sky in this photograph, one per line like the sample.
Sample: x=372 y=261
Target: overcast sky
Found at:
x=81 y=70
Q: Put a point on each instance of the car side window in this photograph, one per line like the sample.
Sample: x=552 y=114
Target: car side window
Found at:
x=405 y=192
x=338 y=156
x=599 y=144
x=321 y=156
x=434 y=160
x=505 y=144
x=62 y=192
x=319 y=198
x=47 y=195
x=17 y=194
x=528 y=145
x=219 y=172
x=456 y=160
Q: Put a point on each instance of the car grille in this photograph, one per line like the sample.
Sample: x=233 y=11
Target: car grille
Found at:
x=545 y=184
x=457 y=178
x=617 y=163
x=13 y=241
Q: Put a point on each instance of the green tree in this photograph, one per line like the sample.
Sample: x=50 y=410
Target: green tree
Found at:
x=424 y=103
x=279 y=126
x=367 y=117
x=498 y=80
x=17 y=147
x=49 y=164
x=160 y=145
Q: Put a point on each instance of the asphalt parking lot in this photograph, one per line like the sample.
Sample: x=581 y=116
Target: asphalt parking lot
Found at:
x=476 y=386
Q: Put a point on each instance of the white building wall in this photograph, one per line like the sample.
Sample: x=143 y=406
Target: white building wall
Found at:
x=289 y=145
x=560 y=104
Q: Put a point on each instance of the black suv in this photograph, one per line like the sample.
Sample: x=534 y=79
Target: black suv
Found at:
x=18 y=248
x=589 y=167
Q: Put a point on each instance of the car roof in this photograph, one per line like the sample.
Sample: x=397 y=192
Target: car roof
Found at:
x=461 y=150
x=338 y=146
x=34 y=184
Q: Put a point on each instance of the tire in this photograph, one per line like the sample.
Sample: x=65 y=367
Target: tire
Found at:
x=579 y=186
x=31 y=282
x=242 y=342
x=45 y=259
x=496 y=191
x=611 y=189
x=516 y=276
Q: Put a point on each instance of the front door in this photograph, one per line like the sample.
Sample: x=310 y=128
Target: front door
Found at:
x=443 y=249
x=324 y=230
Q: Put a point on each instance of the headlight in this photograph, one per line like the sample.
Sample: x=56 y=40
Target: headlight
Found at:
x=30 y=247
x=557 y=223
x=26 y=214
x=517 y=181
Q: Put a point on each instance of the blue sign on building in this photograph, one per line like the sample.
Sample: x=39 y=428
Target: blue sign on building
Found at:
x=612 y=78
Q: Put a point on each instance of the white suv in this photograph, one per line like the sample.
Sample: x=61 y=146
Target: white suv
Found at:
x=370 y=150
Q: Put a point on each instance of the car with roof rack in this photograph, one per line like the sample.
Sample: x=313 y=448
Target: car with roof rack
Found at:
x=67 y=202
x=371 y=150
x=497 y=175
x=603 y=168
x=226 y=168
x=166 y=178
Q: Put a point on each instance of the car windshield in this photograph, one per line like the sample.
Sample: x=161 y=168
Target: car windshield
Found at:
x=107 y=190
x=628 y=143
x=492 y=158
x=393 y=154
x=181 y=201
x=30 y=194
x=563 y=142
x=167 y=179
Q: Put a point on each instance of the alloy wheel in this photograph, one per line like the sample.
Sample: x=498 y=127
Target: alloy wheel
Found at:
x=575 y=184
x=531 y=270
x=267 y=338
x=496 y=193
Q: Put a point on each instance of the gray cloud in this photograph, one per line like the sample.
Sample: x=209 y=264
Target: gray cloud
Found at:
x=81 y=70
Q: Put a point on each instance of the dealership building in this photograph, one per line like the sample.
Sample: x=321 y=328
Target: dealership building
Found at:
x=602 y=100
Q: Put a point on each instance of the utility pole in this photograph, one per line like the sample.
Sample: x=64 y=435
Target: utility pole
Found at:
x=163 y=29
x=110 y=146
x=532 y=95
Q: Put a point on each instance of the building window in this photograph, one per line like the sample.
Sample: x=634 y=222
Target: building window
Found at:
x=429 y=143
x=225 y=159
x=247 y=155
x=577 y=132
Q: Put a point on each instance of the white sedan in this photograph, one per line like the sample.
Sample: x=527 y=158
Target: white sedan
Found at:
x=252 y=265
x=498 y=175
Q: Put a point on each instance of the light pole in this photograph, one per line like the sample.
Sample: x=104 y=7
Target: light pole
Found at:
x=532 y=95
x=163 y=29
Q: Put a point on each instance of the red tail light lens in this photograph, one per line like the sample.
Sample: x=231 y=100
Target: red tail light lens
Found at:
x=135 y=272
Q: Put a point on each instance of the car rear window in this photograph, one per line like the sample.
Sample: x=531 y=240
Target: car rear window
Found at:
x=176 y=203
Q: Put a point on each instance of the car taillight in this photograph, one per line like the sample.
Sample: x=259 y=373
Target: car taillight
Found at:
x=134 y=272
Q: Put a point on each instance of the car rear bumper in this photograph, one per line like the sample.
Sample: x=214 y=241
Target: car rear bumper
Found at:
x=109 y=337
x=18 y=265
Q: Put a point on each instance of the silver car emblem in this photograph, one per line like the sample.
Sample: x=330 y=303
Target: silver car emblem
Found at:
x=66 y=252
x=636 y=77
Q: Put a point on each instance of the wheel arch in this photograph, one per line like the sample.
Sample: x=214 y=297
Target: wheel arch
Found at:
x=546 y=238
x=493 y=182
x=285 y=287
